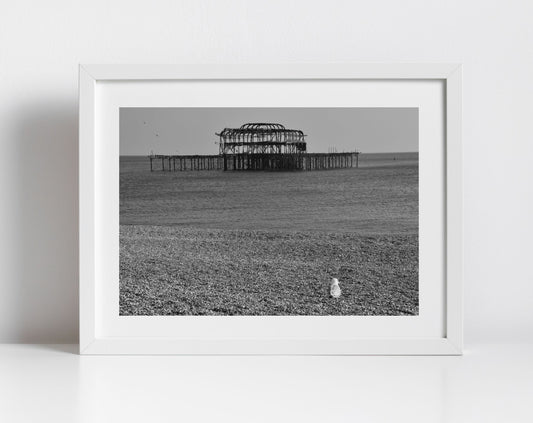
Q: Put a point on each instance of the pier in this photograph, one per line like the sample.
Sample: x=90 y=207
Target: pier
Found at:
x=258 y=146
x=173 y=163
x=245 y=161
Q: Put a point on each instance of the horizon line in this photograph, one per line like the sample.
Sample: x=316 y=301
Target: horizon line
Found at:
x=310 y=152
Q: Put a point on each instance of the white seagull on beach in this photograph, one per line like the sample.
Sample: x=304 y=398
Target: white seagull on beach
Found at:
x=335 y=289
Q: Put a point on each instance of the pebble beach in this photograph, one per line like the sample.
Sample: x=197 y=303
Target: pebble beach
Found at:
x=183 y=271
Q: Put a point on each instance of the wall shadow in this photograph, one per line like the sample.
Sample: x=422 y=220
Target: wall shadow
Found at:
x=44 y=296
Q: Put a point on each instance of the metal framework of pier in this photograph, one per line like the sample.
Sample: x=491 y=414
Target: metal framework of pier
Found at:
x=258 y=146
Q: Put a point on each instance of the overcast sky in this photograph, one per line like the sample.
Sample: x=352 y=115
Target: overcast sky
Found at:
x=192 y=130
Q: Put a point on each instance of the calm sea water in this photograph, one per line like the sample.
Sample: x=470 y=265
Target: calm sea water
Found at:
x=381 y=196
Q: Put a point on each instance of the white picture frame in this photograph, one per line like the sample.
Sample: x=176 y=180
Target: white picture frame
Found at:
x=97 y=333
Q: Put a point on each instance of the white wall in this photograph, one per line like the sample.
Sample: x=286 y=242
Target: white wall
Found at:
x=42 y=42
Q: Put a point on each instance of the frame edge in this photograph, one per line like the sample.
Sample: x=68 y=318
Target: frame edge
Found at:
x=454 y=209
x=271 y=71
x=86 y=204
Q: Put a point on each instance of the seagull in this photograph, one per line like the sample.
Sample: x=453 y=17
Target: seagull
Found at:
x=335 y=289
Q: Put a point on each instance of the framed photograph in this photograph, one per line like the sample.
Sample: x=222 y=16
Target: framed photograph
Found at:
x=292 y=209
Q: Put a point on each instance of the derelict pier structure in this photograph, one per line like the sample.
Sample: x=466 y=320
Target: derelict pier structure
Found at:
x=259 y=146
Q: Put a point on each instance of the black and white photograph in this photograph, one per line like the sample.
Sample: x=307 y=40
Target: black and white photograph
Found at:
x=266 y=211
x=269 y=211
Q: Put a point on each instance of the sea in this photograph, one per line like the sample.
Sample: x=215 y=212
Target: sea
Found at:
x=379 y=197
